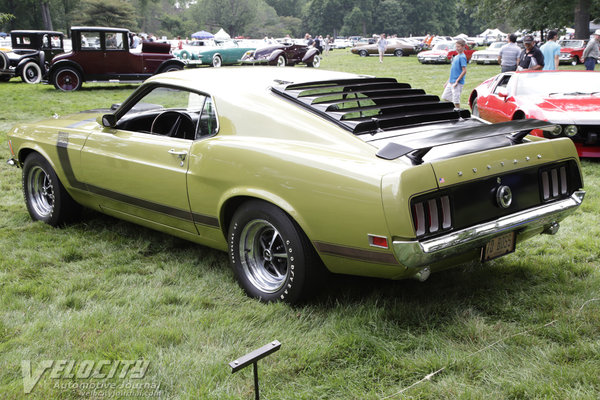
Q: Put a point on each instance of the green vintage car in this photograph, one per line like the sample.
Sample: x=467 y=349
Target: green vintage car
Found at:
x=222 y=53
x=294 y=171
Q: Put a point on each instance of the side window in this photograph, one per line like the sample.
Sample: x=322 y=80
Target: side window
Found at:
x=45 y=42
x=90 y=41
x=502 y=84
x=114 y=41
x=172 y=112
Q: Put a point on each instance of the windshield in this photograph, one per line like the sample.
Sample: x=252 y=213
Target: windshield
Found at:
x=444 y=46
x=571 y=43
x=556 y=84
x=496 y=45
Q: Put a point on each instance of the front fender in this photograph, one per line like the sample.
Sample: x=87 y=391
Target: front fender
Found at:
x=65 y=63
x=310 y=54
x=275 y=54
x=172 y=61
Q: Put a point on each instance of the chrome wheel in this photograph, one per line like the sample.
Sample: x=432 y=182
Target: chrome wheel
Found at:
x=41 y=191
x=263 y=256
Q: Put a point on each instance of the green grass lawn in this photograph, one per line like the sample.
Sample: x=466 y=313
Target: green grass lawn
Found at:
x=525 y=326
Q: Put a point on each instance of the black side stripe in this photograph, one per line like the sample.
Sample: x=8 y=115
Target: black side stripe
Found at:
x=186 y=215
x=353 y=253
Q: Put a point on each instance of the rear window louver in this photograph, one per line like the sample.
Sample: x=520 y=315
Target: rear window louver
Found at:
x=369 y=105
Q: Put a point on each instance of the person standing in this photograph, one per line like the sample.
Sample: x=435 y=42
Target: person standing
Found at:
x=591 y=54
x=508 y=58
x=381 y=46
x=531 y=57
x=551 y=51
x=458 y=70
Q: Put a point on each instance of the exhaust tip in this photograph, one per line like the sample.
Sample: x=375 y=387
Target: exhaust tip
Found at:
x=423 y=274
x=552 y=229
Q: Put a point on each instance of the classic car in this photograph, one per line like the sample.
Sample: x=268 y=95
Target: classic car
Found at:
x=293 y=170
x=442 y=53
x=31 y=54
x=283 y=54
x=224 y=53
x=396 y=47
x=188 y=52
x=102 y=54
x=571 y=51
x=489 y=55
x=569 y=99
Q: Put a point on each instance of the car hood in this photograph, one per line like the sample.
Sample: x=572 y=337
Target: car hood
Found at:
x=569 y=109
x=433 y=53
x=570 y=49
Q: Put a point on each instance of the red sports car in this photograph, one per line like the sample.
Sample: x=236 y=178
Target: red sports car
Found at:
x=442 y=52
x=570 y=99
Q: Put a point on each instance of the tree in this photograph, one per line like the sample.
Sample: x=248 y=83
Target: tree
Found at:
x=231 y=15
x=113 y=13
x=323 y=16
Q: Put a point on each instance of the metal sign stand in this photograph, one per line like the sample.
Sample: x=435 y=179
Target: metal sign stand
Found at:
x=252 y=358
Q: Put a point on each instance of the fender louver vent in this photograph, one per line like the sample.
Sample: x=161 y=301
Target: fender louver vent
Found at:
x=371 y=104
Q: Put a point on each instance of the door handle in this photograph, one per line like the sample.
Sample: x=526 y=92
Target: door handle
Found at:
x=180 y=154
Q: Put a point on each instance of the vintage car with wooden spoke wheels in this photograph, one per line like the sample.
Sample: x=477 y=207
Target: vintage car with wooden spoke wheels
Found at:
x=103 y=54
x=297 y=171
x=569 y=99
x=31 y=54
x=283 y=54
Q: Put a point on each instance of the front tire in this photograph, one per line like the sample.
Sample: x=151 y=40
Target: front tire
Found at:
x=217 y=61
x=398 y=53
x=46 y=198
x=31 y=73
x=270 y=256
x=281 y=61
x=67 y=79
x=363 y=53
x=475 y=108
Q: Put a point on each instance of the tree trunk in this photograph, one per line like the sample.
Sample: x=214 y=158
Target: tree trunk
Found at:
x=582 y=19
x=46 y=15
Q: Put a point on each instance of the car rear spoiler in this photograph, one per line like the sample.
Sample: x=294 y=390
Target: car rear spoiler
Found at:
x=416 y=146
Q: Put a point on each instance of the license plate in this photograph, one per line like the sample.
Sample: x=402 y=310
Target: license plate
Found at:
x=498 y=246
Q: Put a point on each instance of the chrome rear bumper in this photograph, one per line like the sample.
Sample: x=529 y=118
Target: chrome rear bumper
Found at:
x=415 y=254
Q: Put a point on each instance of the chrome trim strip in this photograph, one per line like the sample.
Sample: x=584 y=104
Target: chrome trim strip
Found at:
x=416 y=254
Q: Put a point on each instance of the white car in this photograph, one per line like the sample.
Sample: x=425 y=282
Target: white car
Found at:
x=489 y=55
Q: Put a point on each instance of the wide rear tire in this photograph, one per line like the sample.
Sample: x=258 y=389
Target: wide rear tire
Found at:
x=271 y=257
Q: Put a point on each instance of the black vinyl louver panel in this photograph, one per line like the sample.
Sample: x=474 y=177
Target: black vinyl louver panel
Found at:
x=371 y=104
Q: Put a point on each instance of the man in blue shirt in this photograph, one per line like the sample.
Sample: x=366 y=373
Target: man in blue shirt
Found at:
x=458 y=70
x=551 y=51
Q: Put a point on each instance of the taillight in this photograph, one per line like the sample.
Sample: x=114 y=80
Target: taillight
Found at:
x=432 y=215
x=554 y=183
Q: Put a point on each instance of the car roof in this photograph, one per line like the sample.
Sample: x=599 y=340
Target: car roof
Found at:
x=26 y=32
x=245 y=80
x=98 y=28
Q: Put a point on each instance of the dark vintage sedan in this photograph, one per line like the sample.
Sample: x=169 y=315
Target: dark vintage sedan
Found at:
x=396 y=47
x=570 y=99
x=32 y=52
x=283 y=54
x=103 y=54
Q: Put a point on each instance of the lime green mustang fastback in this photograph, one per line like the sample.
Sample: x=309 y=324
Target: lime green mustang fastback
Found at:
x=294 y=171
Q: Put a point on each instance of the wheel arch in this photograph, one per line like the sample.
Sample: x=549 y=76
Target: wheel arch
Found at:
x=24 y=61
x=66 y=64
x=167 y=63
x=276 y=54
x=519 y=114
x=472 y=97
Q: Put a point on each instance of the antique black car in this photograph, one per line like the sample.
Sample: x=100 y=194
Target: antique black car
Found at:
x=102 y=54
x=32 y=52
x=283 y=54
